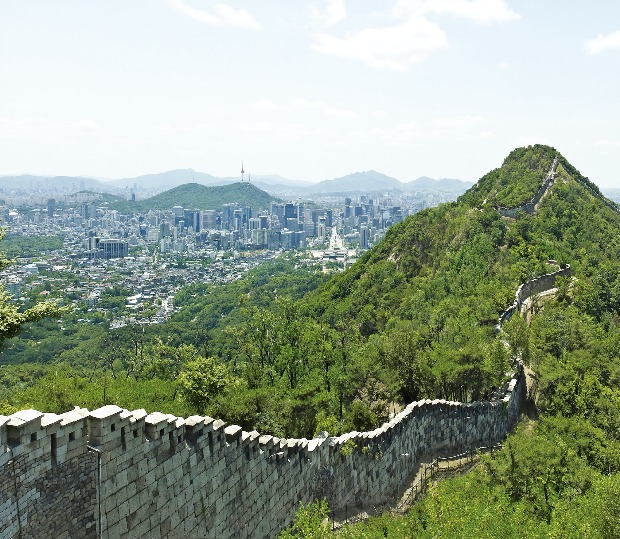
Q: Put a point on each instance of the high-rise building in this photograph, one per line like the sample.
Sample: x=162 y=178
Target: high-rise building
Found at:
x=237 y=220
x=113 y=248
x=329 y=214
x=278 y=211
x=87 y=210
x=164 y=229
x=287 y=239
x=364 y=237
x=321 y=229
x=209 y=219
x=192 y=219
x=290 y=219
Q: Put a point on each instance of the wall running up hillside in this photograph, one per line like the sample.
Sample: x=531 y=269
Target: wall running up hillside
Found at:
x=531 y=288
x=112 y=473
x=530 y=207
x=134 y=475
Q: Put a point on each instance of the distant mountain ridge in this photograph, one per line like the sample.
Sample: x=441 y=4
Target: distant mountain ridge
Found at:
x=152 y=183
x=79 y=183
x=372 y=180
x=172 y=178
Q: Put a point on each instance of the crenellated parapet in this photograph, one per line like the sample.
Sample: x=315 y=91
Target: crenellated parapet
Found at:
x=47 y=476
x=530 y=288
x=115 y=473
x=530 y=206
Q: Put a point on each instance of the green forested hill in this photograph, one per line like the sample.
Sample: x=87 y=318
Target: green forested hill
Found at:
x=194 y=195
x=519 y=177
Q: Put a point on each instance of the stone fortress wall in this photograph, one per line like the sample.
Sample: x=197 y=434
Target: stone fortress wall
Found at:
x=112 y=473
x=530 y=207
x=531 y=288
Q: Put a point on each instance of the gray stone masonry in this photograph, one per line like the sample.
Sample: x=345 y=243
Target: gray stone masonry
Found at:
x=114 y=474
x=530 y=288
x=48 y=483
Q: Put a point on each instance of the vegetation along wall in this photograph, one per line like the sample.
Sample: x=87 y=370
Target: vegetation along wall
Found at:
x=113 y=473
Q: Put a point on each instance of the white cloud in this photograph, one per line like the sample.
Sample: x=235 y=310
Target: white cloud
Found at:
x=465 y=120
x=341 y=113
x=7 y=121
x=503 y=65
x=85 y=124
x=606 y=143
x=265 y=104
x=481 y=11
x=376 y=133
x=393 y=47
x=321 y=105
x=407 y=127
x=288 y=131
x=402 y=134
x=603 y=43
x=333 y=12
x=307 y=103
x=43 y=127
x=182 y=128
x=414 y=37
x=221 y=15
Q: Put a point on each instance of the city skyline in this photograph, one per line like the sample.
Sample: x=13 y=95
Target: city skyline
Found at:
x=444 y=89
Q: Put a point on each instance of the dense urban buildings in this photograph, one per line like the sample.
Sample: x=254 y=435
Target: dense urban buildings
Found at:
x=88 y=248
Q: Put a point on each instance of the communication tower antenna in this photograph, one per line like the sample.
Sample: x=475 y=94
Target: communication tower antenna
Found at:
x=242 y=171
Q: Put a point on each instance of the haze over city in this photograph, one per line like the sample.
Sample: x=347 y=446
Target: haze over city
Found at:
x=309 y=91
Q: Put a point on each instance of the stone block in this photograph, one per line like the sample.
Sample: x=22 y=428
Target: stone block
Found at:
x=233 y=433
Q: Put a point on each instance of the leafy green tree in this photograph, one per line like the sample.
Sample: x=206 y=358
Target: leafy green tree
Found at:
x=202 y=379
x=311 y=522
x=12 y=318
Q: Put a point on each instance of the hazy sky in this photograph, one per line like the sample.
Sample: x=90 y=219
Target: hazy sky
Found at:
x=308 y=90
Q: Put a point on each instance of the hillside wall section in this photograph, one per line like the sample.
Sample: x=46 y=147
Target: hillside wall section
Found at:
x=115 y=474
x=530 y=207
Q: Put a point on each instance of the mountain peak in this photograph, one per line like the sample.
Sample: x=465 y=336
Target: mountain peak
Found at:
x=524 y=178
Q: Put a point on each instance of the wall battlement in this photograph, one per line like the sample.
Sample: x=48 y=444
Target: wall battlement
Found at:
x=114 y=473
x=530 y=288
x=530 y=207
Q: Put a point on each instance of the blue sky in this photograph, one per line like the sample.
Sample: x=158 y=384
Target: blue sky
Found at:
x=308 y=90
